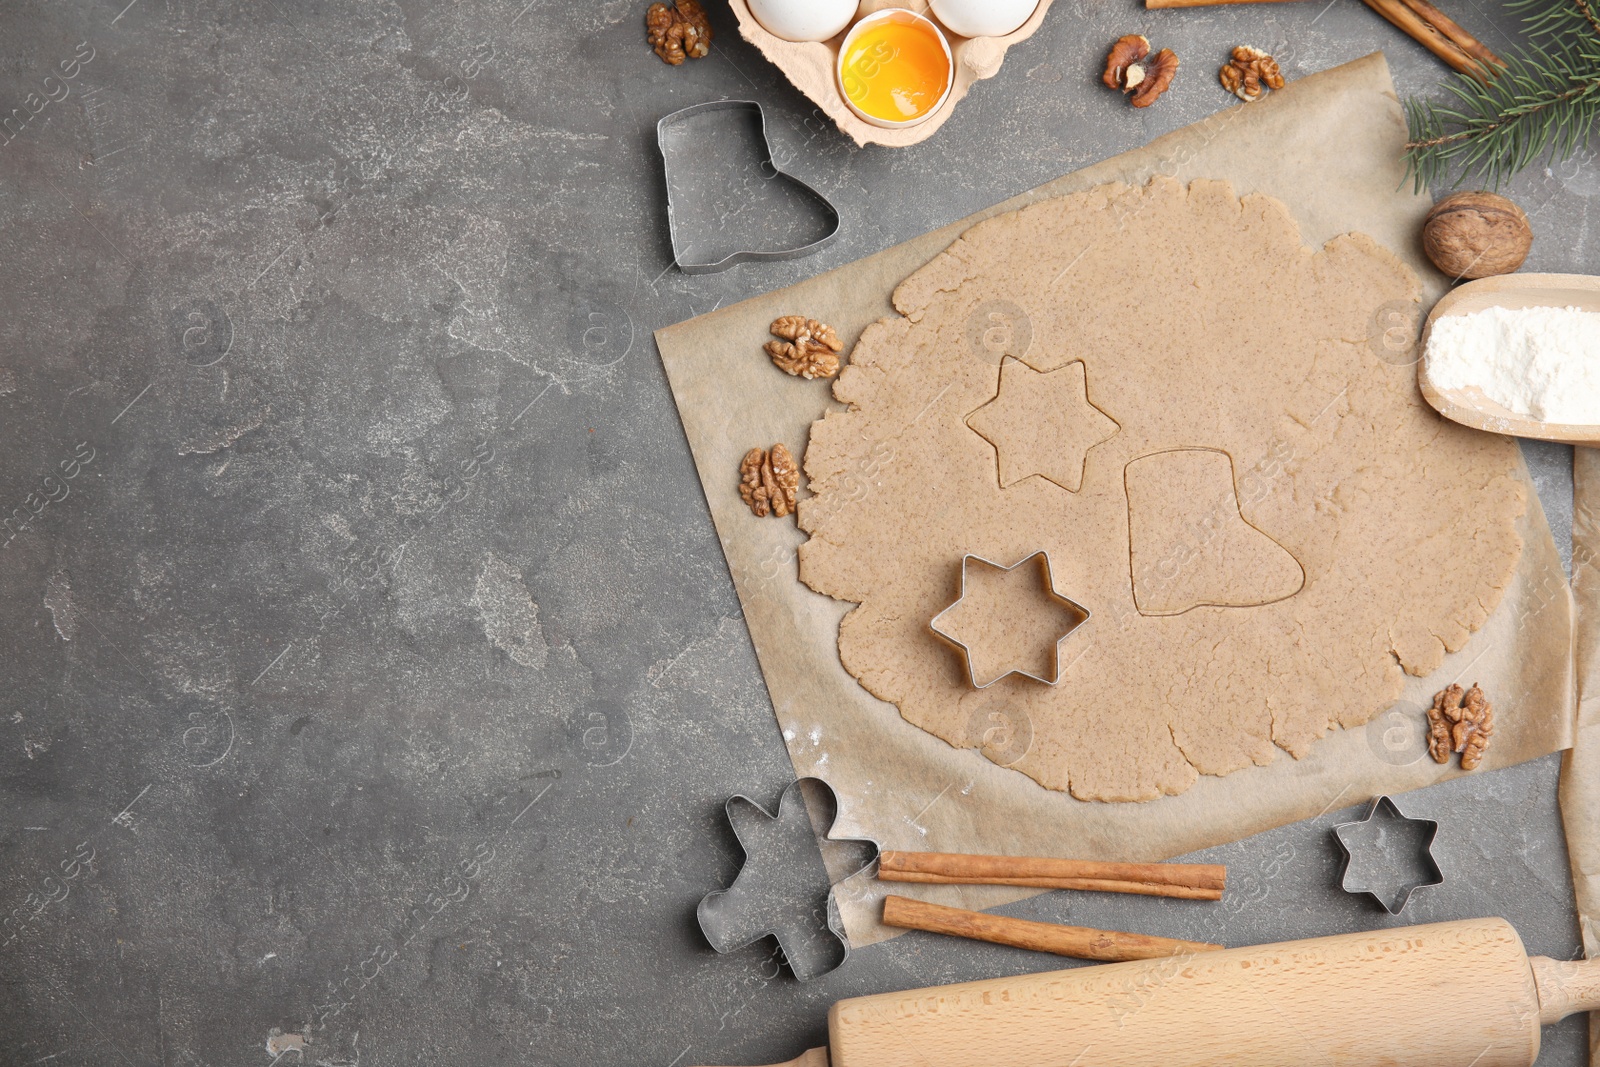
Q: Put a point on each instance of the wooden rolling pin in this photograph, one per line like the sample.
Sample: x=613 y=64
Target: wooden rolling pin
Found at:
x=1443 y=995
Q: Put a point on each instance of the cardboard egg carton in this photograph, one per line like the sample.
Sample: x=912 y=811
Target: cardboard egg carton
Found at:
x=811 y=66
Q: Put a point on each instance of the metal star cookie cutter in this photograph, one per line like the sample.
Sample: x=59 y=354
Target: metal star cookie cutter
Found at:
x=1390 y=838
x=684 y=137
x=1050 y=590
x=784 y=889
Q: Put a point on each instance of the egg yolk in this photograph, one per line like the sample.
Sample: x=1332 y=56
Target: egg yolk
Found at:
x=895 y=71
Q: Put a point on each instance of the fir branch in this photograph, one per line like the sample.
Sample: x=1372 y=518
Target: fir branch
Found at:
x=1588 y=15
x=1545 y=101
x=1560 y=19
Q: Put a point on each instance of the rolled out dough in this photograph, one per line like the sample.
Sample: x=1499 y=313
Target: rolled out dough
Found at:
x=1265 y=521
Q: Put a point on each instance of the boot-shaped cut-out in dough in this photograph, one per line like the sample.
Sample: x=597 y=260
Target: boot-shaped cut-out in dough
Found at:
x=1042 y=422
x=1188 y=543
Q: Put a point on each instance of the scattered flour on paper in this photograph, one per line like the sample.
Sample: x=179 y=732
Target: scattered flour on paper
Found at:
x=1539 y=361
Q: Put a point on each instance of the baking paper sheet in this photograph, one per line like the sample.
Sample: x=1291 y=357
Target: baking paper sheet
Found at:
x=1327 y=146
x=1580 y=774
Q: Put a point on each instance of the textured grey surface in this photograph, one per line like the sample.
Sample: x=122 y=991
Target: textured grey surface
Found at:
x=383 y=656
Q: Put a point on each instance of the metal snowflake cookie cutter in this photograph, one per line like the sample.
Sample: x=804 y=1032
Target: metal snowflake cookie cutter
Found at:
x=1387 y=855
x=944 y=631
x=784 y=888
x=704 y=164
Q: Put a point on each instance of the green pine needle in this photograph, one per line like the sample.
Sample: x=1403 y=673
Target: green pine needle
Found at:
x=1544 y=102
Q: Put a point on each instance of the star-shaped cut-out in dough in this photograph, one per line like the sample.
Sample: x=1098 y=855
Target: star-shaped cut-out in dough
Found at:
x=1041 y=422
x=1009 y=620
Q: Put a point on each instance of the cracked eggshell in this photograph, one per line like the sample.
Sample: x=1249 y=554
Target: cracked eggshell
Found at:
x=804 y=20
x=983 y=18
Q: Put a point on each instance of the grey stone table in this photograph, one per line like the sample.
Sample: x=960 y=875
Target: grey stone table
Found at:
x=373 y=679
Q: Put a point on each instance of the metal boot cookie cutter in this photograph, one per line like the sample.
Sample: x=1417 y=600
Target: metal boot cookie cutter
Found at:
x=727 y=201
x=967 y=625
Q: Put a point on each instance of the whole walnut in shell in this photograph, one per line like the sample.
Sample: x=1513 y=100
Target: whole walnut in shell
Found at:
x=1476 y=235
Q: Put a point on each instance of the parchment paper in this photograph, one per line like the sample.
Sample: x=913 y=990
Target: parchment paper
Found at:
x=1580 y=773
x=1327 y=146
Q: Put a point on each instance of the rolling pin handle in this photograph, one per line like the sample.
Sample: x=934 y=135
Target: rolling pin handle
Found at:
x=1565 y=987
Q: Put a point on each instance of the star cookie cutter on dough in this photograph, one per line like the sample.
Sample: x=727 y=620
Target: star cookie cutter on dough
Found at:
x=1362 y=842
x=692 y=167
x=1050 y=590
x=777 y=893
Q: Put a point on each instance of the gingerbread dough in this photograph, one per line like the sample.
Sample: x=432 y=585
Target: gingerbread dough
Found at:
x=1268 y=524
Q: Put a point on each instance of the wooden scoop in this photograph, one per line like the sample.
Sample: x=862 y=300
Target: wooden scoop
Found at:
x=1443 y=995
x=1469 y=406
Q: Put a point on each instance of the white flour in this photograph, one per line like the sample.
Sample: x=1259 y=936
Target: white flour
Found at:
x=1543 y=362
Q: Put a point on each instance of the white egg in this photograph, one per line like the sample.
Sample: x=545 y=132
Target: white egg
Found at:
x=983 y=18
x=804 y=20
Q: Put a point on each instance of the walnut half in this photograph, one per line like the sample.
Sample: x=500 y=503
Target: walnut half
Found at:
x=1460 y=722
x=1145 y=81
x=1163 y=67
x=808 y=348
x=1126 y=53
x=679 y=32
x=768 y=481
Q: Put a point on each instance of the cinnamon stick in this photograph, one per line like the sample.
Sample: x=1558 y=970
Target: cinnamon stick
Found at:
x=1429 y=37
x=1451 y=29
x=1089 y=885
x=1188 y=881
x=1079 y=942
x=1421 y=20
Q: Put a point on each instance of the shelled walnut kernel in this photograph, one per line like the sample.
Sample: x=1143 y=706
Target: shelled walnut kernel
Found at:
x=1248 y=71
x=678 y=32
x=768 y=481
x=808 y=348
x=1461 y=723
x=1162 y=68
x=1126 y=53
x=1144 y=80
